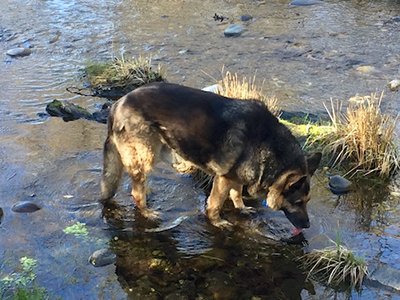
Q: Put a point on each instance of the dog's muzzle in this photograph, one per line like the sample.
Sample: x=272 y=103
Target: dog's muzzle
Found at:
x=298 y=218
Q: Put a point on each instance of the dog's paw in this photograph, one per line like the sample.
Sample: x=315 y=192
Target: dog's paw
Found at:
x=222 y=224
x=150 y=214
x=247 y=210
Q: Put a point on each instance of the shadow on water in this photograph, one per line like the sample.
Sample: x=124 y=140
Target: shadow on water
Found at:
x=150 y=266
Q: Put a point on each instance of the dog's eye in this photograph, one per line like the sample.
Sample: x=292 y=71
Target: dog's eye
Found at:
x=298 y=203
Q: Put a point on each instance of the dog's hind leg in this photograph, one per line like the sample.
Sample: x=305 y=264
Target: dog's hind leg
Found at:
x=236 y=196
x=219 y=193
x=138 y=156
x=112 y=169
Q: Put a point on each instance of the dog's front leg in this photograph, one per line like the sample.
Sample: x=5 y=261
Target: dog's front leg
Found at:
x=219 y=193
x=236 y=196
x=139 y=195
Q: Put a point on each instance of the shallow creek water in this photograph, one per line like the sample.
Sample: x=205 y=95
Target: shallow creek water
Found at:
x=306 y=55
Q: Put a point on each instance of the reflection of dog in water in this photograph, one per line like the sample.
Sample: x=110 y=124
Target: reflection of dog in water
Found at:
x=239 y=142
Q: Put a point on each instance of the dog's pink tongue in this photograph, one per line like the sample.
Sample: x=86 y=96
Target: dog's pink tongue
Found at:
x=297 y=231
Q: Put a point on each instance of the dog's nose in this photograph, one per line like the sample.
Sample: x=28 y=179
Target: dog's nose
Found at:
x=306 y=224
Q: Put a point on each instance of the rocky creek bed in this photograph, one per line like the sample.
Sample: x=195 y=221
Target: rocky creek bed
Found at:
x=307 y=54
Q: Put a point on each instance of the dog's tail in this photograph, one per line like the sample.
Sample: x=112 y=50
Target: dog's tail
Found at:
x=112 y=169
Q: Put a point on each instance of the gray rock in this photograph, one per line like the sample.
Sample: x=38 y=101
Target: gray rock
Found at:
x=339 y=185
x=102 y=258
x=18 y=52
x=245 y=18
x=68 y=111
x=234 y=30
x=394 y=85
x=25 y=207
x=387 y=275
x=304 y=2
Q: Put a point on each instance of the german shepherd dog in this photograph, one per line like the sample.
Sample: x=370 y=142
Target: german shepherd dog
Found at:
x=239 y=142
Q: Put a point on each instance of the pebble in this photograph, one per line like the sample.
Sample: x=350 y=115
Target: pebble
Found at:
x=339 y=185
x=25 y=207
x=394 y=85
x=233 y=30
x=103 y=257
x=19 y=52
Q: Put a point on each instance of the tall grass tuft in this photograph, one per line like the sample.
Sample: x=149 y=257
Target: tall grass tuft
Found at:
x=336 y=264
x=231 y=86
x=363 y=137
x=122 y=72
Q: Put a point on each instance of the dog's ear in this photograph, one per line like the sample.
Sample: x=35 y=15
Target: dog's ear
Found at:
x=313 y=162
x=295 y=183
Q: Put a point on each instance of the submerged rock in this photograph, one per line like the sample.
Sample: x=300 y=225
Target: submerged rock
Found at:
x=233 y=30
x=19 y=52
x=26 y=207
x=1 y=214
x=339 y=185
x=103 y=257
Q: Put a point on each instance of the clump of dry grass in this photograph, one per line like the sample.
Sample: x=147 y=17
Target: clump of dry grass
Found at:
x=122 y=72
x=363 y=137
x=231 y=86
x=336 y=264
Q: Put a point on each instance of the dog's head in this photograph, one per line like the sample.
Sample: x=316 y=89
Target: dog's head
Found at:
x=291 y=192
